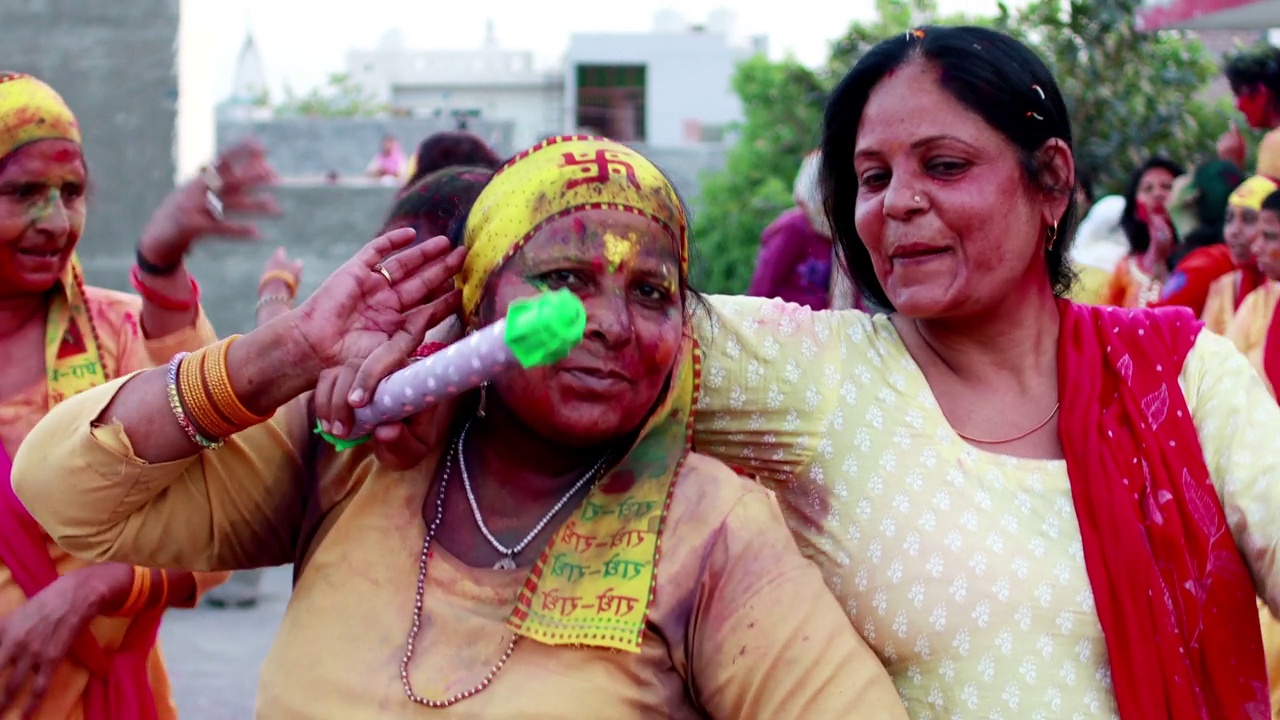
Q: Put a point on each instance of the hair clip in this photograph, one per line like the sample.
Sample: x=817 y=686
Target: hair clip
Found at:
x=916 y=33
x=1034 y=115
x=1037 y=89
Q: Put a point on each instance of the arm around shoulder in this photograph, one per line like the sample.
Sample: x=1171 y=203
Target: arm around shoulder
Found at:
x=770 y=640
x=1237 y=420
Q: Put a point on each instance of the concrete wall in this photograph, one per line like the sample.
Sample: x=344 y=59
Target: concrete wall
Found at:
x=688 y=77
x=114 y=64
x=322 y=225
x=311 y=147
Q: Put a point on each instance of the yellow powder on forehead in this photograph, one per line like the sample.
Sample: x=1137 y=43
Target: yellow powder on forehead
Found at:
x=618 y=250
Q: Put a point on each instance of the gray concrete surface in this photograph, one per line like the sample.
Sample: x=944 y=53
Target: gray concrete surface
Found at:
x=214 y=655
x=314 y=146
x=114 y=63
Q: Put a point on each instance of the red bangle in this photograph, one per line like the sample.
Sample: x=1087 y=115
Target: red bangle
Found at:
x=164 y=302
x=428 y=349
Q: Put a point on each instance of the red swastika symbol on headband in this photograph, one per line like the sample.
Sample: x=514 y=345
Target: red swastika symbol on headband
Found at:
x=604 y=163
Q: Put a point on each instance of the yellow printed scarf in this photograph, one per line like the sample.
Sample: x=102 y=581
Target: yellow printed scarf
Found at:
x=30 y=110
x=593 y=583
x=72 y=357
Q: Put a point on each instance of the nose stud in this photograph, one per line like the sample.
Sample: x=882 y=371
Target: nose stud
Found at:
x=917 y=199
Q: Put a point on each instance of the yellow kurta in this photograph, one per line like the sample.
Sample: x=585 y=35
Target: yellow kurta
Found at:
x=1248 y=329
x=741 y=625
x=1220 y=303
x=116 y=317
x=961 y=568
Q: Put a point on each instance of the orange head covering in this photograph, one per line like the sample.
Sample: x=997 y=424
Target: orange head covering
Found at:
x=31 y=110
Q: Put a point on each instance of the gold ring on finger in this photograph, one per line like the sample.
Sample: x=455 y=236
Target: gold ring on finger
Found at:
x=383 y=272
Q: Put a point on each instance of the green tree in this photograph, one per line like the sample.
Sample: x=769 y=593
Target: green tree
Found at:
x=782 y=104
x=340 y=97
x=782 y=107
x=1130 y=94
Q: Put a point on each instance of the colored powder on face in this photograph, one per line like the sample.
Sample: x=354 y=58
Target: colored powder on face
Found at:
x=45 y=206
x=619 y=250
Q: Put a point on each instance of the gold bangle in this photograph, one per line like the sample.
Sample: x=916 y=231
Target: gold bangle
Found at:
x=200 y=408
x=283 y=276
x=224 y=394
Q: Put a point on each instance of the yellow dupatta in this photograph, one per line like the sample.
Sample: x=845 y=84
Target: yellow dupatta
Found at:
x=593 y=583
x=73 y=358
x=30 y=111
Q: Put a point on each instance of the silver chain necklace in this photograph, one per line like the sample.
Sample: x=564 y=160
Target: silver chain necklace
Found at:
x=455 y=451
x=509 y=554
x=417 y=611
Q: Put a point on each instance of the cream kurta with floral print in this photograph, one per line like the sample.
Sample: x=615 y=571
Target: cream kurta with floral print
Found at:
x=963 y=569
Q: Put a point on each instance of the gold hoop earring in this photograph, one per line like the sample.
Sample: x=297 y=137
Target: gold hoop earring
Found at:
x=483 y=401
x=1053 y=234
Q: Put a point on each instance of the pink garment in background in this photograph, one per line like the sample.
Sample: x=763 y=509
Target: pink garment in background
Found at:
x=794 y=262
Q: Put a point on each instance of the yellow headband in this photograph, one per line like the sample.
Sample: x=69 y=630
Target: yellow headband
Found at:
x=1250 y=193
x=553 y=179
x=31 y=110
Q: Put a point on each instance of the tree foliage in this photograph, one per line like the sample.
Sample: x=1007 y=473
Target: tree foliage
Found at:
x=1130 y=95
x=340 y=97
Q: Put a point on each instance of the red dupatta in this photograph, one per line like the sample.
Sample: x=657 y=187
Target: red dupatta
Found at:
x=119 y=684
x=1271 y=353
x=1176 y=602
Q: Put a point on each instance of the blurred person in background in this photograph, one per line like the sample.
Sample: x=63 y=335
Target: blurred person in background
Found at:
x=1254 y=76
x=449 y=149
x=1099 y=247
x=796 y=254
x=1219 y=242
x=1138 y=279
x=78 y=639
x=389 y=165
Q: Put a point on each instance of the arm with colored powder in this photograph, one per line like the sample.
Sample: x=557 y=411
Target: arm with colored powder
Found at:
x=772 y=375
x=769 y=640
x=1236 y=420
x=112 y=475
x=190 y=213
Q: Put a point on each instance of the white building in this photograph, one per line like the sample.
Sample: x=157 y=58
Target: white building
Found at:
x=668 y=88
x=491 y=82
x=249 y=89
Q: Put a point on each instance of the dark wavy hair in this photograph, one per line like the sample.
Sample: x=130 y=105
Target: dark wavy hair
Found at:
x=1134 y=227
x=450 y=148
x=1253 y=67
x=988 y=72
x=431 y=205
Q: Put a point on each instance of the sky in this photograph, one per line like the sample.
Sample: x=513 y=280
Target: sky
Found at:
x=303 y=41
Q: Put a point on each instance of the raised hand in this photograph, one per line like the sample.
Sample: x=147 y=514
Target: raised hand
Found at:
x=375 y=299
x=187 y=214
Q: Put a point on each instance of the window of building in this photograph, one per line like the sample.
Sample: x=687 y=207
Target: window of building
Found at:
x=610 y=101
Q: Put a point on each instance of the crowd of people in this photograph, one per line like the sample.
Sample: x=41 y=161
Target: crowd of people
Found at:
x=950 y=457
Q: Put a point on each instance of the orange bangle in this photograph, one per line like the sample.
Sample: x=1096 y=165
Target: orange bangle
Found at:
x=137 y=594
x=283 y=276
x=195 y=398
x=164 y=589
x=224 y=395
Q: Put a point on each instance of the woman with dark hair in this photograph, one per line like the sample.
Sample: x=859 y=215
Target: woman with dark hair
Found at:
x=1028 y=507
x=1254 y=75
x=1139 y=278
x=448 y=149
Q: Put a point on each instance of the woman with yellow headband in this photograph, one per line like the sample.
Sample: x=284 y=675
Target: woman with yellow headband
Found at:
x=78 y=640
x=1232 y=286
x=561 y=551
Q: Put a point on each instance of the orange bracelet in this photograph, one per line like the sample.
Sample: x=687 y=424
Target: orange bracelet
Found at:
x=137 y=594
x=283 y=276
x=225 y=401
x=196 y=400
x=164 y=589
